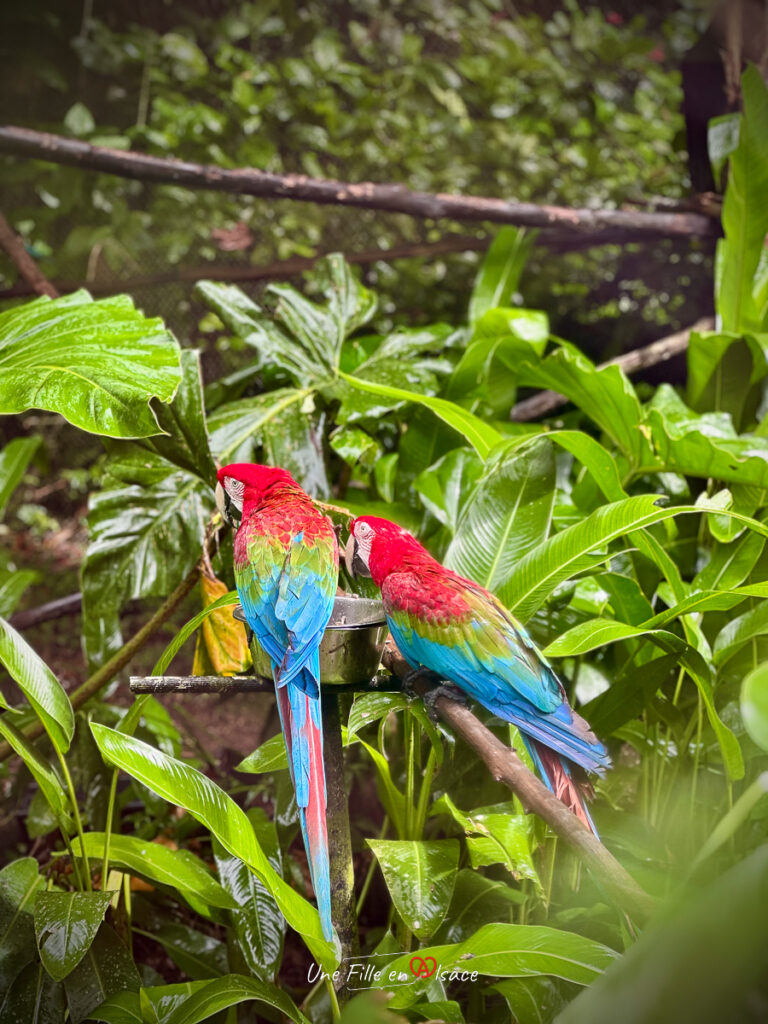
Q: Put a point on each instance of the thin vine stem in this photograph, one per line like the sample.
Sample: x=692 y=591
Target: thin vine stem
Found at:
x=76 y=815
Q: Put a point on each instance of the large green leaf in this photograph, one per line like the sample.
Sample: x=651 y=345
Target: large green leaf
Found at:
x=508 y=513
x=447 y=485
x=238 y=428
x=420 y=877
x=65 y=926
x=185 y=441
x=705 y=960
x=258 y=924
x=587 y=636
x=499 y=273
x=606 y=395
x=20 y=882
x=196 y=953
x=356 y=447
x=408 y=342
x=39 y=685
x=221 y=993
x=707 y=601
x=96 y=363
x=754 y=705
x=509 y=951
x=480 y=435
x=322 y=329
x=13 y=584
x=269 y=757
x=294 y=442
x=14 y=459
x=487 y=369
x=496 y=835
x=599 y=461
x=740 y=631
x=151 y=1004
x=724 y=370
x=531 y=1000
x=556 y=559
x=186 y=631
x=476 y=901
x=730 y=564
x=189 y=788
x=246 y=319
x=41 y=771
x=704 y=446
x=106 y=969
x=178 y=868
x=358 y=405
x=144 y=537
x=34 y=998
x=745 y=213
x=447 y=1011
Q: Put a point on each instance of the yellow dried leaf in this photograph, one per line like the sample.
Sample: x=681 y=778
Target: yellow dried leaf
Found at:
x=222 y=647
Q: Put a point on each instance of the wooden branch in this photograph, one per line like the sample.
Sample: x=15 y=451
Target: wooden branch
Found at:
x=201 y=684
x=507 y=767
x=554 y=239
x=69 y=605
x=392 y=198
x=381 y=683
x=545 y=402
x=23 y=262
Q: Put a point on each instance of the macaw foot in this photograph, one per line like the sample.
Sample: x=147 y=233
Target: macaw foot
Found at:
x=408 y=680
x=443 y=690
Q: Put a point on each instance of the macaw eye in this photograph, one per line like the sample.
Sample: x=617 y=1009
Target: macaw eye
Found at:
x=231 y=511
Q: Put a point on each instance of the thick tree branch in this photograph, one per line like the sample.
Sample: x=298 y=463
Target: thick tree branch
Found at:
x=392 y=198
x=507 y=767
x=545 y=402
x=23 y=262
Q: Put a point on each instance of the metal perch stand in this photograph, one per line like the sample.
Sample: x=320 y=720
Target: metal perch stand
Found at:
x=350 y=654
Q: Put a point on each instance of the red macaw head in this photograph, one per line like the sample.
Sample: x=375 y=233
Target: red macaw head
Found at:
x=246 y=481
x=376 y=546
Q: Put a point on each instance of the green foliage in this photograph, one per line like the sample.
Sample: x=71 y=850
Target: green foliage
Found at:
x=65 y=927
x=630 y=539
x=721 y=930
x=189 y=788
x=420 y=878
x=516 y=105
x=96 y=363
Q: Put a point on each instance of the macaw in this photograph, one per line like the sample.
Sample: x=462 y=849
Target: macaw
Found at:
x=286 y=571
x=453 y=627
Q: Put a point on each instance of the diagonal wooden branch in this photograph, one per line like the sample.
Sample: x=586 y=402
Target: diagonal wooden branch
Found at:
x=23 y=262
x=507 y=767
x=545 y=402
x=393 y=198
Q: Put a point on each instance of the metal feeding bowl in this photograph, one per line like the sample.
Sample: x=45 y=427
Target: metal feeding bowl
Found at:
x=350 y=650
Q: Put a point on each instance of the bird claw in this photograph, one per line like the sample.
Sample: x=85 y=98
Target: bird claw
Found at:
x=443 y=690
x=408 y=680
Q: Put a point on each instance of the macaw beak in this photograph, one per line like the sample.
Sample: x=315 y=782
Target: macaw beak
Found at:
x=354 y=563
x=226 y=507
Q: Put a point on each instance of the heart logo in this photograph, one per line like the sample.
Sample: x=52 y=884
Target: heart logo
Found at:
x=420 y=966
